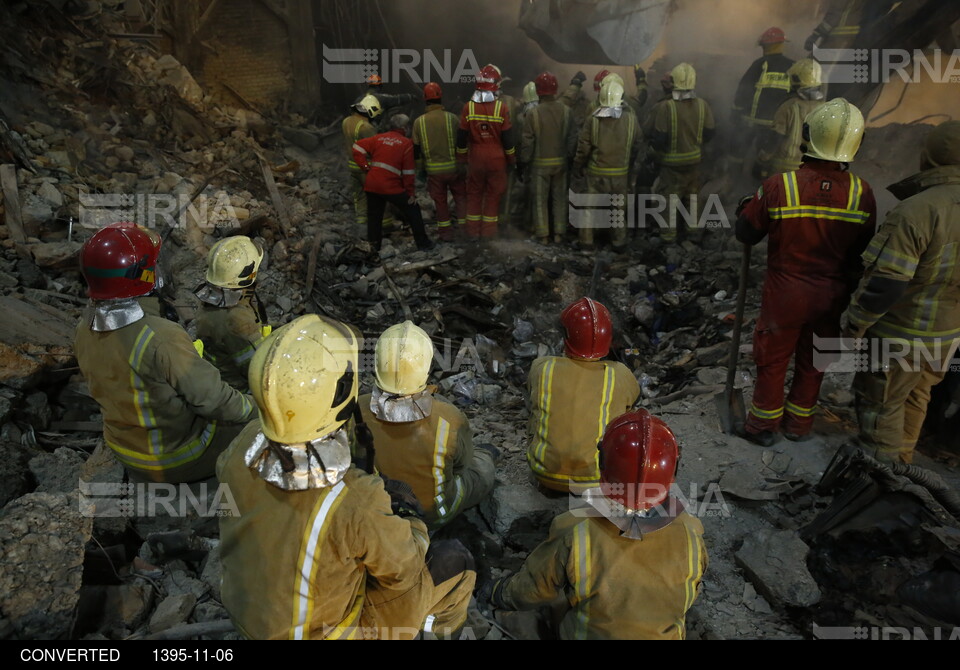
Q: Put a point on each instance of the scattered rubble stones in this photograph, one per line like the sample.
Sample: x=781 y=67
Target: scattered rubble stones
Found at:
x=776 y=564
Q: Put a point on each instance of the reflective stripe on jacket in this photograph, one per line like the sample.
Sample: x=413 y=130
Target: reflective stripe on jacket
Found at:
x=436 y=134
x=389 y=158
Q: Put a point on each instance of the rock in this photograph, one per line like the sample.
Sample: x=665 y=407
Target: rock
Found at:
x=50 y=194
x=303 y=139
x=6 y=407
x=42 y=540
x=62 y=255
x=40 y=129
x=776 y=563
x=35 y=211
x=58 y=472
x=60 y=159
x=521 y=514
x=125 y=154
x=14 y=481
x=30 y=275
x=212 y=572
x=310 y=186
x=178 y=582
x=103 y=468
x=176 y=75
x=75 y=398
x=172 y=611
x=32 y=341
x=711 y=356
x=168 y=182
x=205 y=612
x=127 y=604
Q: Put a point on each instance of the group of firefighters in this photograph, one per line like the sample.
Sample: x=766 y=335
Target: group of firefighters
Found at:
x=339 y=494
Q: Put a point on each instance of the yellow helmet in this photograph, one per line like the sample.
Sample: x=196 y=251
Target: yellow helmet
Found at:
x=403 y=357
x=530 y=93
x=234 y=263
x=684 y=77
x=942 y=146
x=834 y=131
x=613 y=76
x=611 y=92
x=304 y=379
x=806 y=73
x=370 y=105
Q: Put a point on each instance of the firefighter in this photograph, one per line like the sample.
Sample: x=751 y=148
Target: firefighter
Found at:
x=388 y=161
x=629 y=564
x=511 y=204
x=548 y=145
x=387 y=101
x=640 y=79
x=819 y=220
x=573 y=397
x=908 y=300
x=435 y=144
x=359 y=126
x=681 y=125
x=649 y=167
x=485 y=141
x=781 y=150
x=421 y=440
x=610 y=141
x=321 y=549
x=766 y=84
x=574 y=97
x=232 y=322
x=167 y=415
x=841 y=25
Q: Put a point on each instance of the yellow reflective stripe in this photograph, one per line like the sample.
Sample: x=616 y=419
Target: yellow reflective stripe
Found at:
x=856 y=193
x=891 y=331
x=347 y=629
x=764 y=414
x=511 y=151
x=803 y=412
x=674 y=123
x=485 y=117
x=930 y=303
x=439 y=456
x=307 y=563
x=583 y=586
x=609 y=382
x=682 y=159
x=155 y=462
x=198 y=346
x=846 y=31
x=141 y=397
x=608 y=172
x=701 y=120
x=424 y=139
x=441 y=168
x=825 y=213
x=490 y=219
x=546 y=390
x=693 y=577
x=792 y=189
x=549 y=162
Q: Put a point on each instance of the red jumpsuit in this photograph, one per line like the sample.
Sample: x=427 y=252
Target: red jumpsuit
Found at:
x=486 y=142
x=820 y=220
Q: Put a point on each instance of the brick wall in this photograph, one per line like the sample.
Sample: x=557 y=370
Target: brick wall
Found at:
x=253 y=53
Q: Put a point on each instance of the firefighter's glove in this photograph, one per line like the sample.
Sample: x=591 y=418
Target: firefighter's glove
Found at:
x=578 y=78
x=403 y=501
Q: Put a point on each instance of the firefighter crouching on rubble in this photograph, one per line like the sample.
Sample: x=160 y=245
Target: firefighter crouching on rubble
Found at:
x=780 y=149
x=573 y=397
x=167 y=415
x=628 y=565
x=388 y=160
x=435 y=148
x=609 y=144
x=321 y=549
x=421 y=440
x=681 y=125
x=819 y=220
x=909 y=301
x=232 y=321
x=547 y=147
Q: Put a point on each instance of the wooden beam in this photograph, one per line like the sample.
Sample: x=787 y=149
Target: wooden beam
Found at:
x=11 y=202
x=275 y=197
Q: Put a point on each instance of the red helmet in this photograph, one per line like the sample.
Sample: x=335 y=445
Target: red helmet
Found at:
x=589 y=330
x=120 y=261
x=598 y=80
x=639 y=455
x=773 y=36
x=432 y=91
x=374 y=80
x=489 y=79
x=547 y=84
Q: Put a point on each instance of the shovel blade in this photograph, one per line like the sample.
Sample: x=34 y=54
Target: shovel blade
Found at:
x=731 y=411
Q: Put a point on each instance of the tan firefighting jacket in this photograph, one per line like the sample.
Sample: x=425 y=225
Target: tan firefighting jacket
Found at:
x=607 y=146
x=296 y=564
x=572 y=402
x=616 y=588
x=355 y=127
x=436 y=134
x=230 y=337
x=683 y=122
x=918 y=243
x=549 y=136
x=161 y=402
x=428 y=454
x=788 y=126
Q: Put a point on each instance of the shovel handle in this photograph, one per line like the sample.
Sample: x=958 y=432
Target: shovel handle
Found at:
x=738 y=320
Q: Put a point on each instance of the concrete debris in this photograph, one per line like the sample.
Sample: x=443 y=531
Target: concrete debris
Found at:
x=172 y=611
x=32 y=342
x=521 y=514
x=58 y=472
x=14 y=475
x=776 y=563
x=42 y=540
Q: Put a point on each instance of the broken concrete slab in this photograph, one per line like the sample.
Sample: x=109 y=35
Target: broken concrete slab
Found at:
x=212 y=572
x=102 y=467
x=179 y=582
x=58 y=472
x=172 y=611
x=14 y=480
x=51 y=194
x=32 y=342
x=776 y=563
x=42 y=540
x=522 y=514
x=56 y=255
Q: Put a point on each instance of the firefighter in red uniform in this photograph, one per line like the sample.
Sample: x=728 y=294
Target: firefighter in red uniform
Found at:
x=485 y=142
x=820 y=220
x=388 y=160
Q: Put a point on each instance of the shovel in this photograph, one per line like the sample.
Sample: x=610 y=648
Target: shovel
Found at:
x=730 y=406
